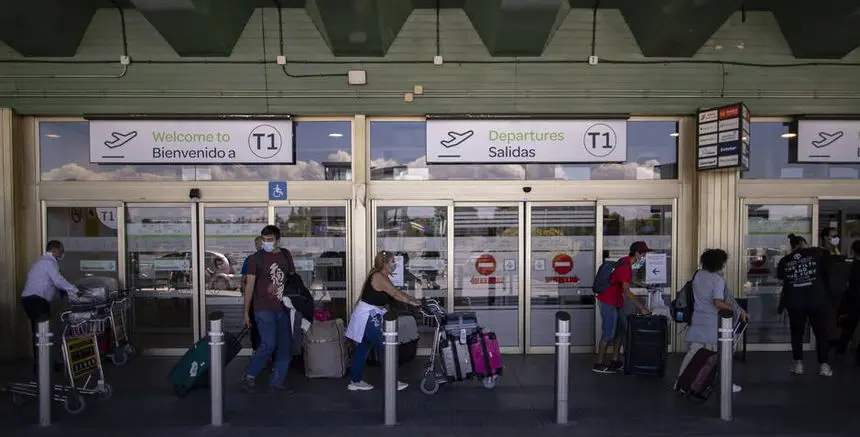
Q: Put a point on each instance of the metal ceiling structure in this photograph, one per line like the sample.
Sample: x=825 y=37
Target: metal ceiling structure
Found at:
x=824 y=29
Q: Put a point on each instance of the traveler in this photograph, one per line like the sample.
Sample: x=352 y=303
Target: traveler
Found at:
x=804 y=295
x=710 y=295
x=836 y=280
x=264 y=286
x=614 y=304
x=849 y=312
x=255 y=333
x=365 y=325
x=43 y=281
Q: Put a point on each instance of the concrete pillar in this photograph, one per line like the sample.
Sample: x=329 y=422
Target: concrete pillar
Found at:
x=8 y=259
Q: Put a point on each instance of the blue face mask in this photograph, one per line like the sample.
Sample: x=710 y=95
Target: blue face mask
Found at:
x=268 y=246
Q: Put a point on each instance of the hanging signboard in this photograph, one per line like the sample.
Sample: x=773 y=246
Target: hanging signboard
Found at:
x=723 y=138
x=192 y=141
x=506 y=141
x=828 y=141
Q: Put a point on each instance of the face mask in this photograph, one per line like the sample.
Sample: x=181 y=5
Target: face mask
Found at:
x=60 y=258
x=638 y=264
x=268 y=246
x=834 y=241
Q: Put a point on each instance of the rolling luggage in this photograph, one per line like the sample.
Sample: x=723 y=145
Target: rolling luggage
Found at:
x=700 y=376
x=455 y=358
x=192 y=370
x=325 y=350
x=645 y=346
x=461 y=324
x=485 y=353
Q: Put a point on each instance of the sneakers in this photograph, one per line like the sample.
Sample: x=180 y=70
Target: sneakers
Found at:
x=736 y=388
x=797 y=368
x=616 y=366
x=249 y=384
x=825 y=370
x=363 y=386
x=601 y=368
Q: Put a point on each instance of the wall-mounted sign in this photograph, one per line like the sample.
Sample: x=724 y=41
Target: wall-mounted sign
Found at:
x=723 y=138
x=192 y=142
x=525 y=141
x=828 y=141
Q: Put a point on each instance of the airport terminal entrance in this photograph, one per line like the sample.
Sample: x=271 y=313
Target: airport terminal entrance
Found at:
x=182 y=261
x=516 y=263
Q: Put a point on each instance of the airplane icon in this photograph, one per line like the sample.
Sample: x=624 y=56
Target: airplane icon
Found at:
x=457 y=138
x=827 y=139
x=119 y=139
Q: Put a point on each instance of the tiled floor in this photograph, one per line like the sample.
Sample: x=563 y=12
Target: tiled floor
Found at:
x=772 y=403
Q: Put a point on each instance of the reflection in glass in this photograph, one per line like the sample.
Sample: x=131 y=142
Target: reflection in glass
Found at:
x=89 y=236
x=316 y=237
x=562 y=272
x=397 y=151
x=769 y=157
x=417 y=235
x=323 y=152
x=765 y=244
x=159 y=273
x=624 y=225
x=486 y=267
x=228 y=239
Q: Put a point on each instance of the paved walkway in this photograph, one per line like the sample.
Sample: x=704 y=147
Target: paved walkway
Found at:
x=772 y=403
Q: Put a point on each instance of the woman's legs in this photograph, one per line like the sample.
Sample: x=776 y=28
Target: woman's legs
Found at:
x=797 y=325
x=372 y=338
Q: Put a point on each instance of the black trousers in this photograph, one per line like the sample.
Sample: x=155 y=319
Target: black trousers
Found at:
x=849 y=326
x=817 y=317
x=36 y=307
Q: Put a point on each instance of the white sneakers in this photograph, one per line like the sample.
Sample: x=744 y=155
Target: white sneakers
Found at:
x=363 y=386
x=736 y=388
x=824 y=370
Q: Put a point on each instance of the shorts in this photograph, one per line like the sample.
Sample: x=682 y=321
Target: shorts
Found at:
x=609 y=321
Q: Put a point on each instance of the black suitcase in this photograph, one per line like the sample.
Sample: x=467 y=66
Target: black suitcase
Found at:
x=645 y=345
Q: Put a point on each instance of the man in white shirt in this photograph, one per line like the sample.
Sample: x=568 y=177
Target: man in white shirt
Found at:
x=43 y=281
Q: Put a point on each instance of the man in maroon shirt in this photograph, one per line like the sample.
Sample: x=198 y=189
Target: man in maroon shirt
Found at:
x=611 y=304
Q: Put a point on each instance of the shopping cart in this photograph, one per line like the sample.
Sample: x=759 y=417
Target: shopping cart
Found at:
x=84 y=373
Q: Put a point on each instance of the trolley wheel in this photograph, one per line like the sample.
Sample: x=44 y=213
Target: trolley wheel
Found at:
x=74 y=403
x=119 y=357
x=106 y=392
x=429 y=384
x=180 y=390
x=130 y=350
x=489 y=382
x=18 y=399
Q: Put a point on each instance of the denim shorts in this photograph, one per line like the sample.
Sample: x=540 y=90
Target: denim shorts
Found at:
x=609 y=318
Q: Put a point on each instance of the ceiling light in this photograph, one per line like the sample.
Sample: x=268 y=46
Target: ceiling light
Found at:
x=789 y=135
x=52 y=136
x=335 y=135
x=674 y=134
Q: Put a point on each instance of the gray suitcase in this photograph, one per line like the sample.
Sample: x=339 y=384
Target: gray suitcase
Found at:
x=456 y=358
x=325 y=352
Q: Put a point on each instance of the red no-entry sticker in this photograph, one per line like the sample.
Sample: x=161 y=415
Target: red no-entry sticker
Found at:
x=562 y=264
x=485 y=265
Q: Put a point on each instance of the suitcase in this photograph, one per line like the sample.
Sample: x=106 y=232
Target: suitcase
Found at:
x=456 y=359
x=485 y=353
x=700 y=376
x=407 y=339
x=461 y=324
x=325 y=350
x=192 y=370
x=645 y=346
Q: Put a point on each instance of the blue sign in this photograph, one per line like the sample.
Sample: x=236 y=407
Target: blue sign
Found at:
x=277 y=191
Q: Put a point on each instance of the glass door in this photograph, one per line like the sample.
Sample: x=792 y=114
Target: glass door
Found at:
x=89 y=233
x=488 y=248
x=418 y=234
x=560 y=270
x=766 y=225
x=227 y=234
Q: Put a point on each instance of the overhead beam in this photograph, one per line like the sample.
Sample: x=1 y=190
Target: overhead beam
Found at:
x=359 y=27
x=827 y=29
x=516 y=27
x=45 y=28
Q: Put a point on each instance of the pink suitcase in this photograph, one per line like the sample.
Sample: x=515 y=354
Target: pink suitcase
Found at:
x=485 y=353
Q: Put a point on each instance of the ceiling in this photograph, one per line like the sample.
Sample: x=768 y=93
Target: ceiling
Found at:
x=824 y=29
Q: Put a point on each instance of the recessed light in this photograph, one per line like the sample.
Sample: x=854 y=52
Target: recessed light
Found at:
x=789 y=135
x=52 y=136
x=674 y=134
x=335 y=135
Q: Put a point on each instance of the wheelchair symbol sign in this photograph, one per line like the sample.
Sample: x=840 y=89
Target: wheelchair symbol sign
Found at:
x=277 y=191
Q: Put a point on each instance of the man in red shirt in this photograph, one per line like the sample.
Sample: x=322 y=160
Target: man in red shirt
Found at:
x=611 y=304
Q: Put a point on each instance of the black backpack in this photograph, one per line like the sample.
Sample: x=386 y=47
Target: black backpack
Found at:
x=683 y=304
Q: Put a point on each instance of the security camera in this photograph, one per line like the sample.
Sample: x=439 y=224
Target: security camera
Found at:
x=527 y=189
x=194 y=194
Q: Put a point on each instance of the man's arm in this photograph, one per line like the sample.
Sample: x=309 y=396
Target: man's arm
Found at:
x=53 y=270
x=250 y=280
x=632 y=297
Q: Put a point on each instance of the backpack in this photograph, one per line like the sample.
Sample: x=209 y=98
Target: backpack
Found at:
x=682 y=305
x=602 y=279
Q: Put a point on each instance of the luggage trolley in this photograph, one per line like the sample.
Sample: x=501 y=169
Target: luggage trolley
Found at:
x=82 y=360
x=116 y=307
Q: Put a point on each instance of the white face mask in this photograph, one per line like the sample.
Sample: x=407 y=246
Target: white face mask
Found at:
x=268 y=246
x=638 y=264
x=834 y=241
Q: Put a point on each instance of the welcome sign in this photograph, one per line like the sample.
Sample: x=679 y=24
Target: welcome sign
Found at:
x=263 y=141
x=499 y=141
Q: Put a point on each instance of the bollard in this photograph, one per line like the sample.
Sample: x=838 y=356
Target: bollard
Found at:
x=43 y=346
x=727 y=349
x=389 y=344
x=216 y=367
x=562 y=367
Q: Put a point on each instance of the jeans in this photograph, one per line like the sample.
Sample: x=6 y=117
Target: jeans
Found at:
x=797 y=316
x=275 y=339
x=372 y=338
x=608 y=321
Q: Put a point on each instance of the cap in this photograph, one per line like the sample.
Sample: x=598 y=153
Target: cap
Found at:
x=639 y=247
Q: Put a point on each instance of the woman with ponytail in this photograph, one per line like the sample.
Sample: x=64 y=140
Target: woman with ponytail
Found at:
x=365 y=325
x=804 y=295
